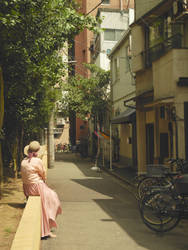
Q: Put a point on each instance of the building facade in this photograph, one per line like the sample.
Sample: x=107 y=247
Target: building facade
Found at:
x=101 y=46
x=123 y=120
x=82 y=51
x=160 y=62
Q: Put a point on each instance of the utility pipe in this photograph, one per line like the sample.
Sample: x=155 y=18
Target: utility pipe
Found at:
x=121 y=5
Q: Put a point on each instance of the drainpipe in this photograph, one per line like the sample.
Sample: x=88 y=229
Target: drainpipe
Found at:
x=121 y=5
x=128 y=3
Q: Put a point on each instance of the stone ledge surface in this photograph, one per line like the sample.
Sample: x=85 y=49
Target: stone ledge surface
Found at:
x=28 y=234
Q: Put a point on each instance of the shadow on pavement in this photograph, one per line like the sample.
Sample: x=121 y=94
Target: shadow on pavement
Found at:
x=122 y=208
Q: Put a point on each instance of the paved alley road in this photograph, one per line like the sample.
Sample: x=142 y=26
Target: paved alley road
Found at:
x=100 y=214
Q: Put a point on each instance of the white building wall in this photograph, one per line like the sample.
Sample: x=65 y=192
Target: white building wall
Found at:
x=114 y=20
x=111 y=20
x=98 y=61
x=104 y=61
x=131 y=16
x=124 y=87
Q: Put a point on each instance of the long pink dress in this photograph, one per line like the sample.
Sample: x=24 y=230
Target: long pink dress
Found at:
x=33 y=177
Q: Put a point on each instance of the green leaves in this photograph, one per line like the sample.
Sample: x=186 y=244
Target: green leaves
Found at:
x=32 y=32
x=88 y=96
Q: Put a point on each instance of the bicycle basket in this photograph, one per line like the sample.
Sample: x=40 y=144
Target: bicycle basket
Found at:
x=157 y=170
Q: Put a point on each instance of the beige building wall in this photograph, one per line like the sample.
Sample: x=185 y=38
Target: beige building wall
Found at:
x=125 y=146
x=137 y=48
x=141 y=140
x=166 y=72
x=143 y=6
x=162 y=77
x=144 y=81
x=150 y=116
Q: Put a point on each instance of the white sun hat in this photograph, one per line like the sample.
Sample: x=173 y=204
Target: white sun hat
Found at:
x=33 y=146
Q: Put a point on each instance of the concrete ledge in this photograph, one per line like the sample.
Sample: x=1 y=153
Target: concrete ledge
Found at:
x=28 y=234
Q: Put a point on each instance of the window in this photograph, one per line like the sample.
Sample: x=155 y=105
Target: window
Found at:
x=156 y=32
x=112 y=35
x=162 y=29
x=106 y=2
x=162 y=112
x=109 y=35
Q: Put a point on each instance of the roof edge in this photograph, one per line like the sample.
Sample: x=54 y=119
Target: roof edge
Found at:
x=117 y=45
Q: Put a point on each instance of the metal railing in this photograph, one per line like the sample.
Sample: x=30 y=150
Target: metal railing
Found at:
x=58 y=130
x=155 y=52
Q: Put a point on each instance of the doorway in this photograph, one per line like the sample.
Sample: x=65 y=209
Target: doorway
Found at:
x=164 y=147
x=149 y=143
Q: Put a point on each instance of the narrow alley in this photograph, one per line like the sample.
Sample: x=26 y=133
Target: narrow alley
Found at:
x=99 y=213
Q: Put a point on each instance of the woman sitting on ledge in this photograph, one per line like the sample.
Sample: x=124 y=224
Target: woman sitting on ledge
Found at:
x=34 y=177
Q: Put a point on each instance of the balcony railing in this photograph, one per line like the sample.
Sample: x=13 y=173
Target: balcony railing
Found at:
x=58 y=130
x=155 y=52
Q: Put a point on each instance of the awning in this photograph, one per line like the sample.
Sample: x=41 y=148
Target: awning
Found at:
x=138 y=97
x=125 y=117
x=167 y=100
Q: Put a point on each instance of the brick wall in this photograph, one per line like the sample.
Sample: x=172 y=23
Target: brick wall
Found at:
x=83 y=40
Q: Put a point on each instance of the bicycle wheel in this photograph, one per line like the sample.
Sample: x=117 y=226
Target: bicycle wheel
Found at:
x=159 y=211
x=145 y=185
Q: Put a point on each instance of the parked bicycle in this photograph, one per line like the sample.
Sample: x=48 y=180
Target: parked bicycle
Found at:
x=163 y=207
x=63 y=147
x=160 y=175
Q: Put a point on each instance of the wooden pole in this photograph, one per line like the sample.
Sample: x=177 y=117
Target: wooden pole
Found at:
x=51 y=156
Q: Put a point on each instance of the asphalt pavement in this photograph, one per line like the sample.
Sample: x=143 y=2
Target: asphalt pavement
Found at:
x=100 y=212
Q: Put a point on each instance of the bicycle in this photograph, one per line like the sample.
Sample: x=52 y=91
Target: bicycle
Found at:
x=163 y=207
x=159 y=175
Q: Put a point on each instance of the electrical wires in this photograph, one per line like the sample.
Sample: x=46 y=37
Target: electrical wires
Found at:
x=94 y=8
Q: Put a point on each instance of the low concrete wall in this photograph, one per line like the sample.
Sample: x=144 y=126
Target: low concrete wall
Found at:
x=44 y=156
x=28 y=234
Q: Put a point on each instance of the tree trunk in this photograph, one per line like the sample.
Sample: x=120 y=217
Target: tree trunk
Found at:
x=15 y=152
x=20 y=147
x=1 y=125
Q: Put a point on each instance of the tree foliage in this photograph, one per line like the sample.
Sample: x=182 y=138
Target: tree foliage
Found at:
x=32 y=33
x=88 y=95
